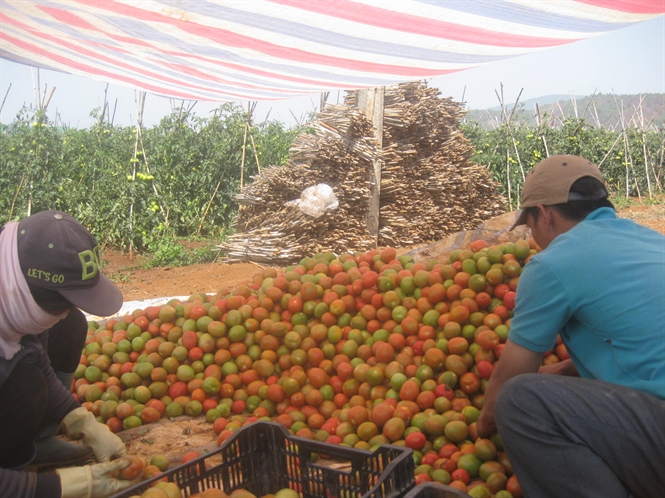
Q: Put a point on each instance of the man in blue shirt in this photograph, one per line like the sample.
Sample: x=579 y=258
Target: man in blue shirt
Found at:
x=598 y=427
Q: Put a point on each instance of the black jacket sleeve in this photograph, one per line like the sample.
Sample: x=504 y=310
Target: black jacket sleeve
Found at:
x=18 y=484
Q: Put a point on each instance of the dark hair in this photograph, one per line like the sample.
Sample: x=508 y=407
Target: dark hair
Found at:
x=575 y=210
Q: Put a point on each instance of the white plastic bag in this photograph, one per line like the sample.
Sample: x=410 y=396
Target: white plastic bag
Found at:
x=316 y=200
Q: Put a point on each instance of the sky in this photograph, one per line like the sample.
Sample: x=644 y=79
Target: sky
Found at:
x=626 y=61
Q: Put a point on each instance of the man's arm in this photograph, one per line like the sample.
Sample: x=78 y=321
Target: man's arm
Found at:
x=515 y=360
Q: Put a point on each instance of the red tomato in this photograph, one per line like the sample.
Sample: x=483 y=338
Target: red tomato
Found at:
x=415 y=440
x=133 y=471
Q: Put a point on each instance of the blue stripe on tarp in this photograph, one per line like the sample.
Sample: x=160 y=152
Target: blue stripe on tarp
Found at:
x=145 y=32
x=213 y=88
x=506 y=11
x=326 y=37
x=210 y=88
x=8 y=56
x=152 y=35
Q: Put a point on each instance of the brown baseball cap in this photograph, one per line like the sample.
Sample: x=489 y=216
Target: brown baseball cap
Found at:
x=549 y=183
x=56 y=252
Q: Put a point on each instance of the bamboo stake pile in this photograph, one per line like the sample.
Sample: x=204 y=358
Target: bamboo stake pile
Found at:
x=430 y=188
x=339 y=153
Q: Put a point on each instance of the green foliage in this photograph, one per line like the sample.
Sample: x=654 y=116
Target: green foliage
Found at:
x=511 y=152
x=168 y=252
x=118 y=277
x=138 y=188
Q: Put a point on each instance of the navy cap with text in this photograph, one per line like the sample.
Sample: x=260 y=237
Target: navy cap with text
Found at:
x=56 y=252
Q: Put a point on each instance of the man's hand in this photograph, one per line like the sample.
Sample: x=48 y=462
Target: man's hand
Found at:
x=565 y=367
x=485 y=425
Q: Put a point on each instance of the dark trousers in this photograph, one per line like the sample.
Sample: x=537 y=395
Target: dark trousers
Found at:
x=572 y=437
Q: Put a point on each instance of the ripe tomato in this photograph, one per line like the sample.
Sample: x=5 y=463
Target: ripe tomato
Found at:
x=133 y=471
x=190 y=455
x=415 y=440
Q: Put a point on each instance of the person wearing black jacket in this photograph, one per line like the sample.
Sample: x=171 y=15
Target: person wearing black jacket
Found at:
x=49 y=271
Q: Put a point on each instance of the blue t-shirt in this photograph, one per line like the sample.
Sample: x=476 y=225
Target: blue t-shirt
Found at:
x=601 y=285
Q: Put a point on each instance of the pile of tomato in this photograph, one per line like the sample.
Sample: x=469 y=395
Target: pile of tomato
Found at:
x=359 y=349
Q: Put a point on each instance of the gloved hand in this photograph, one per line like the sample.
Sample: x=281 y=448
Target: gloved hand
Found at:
x=98 y=437
x=93 y=481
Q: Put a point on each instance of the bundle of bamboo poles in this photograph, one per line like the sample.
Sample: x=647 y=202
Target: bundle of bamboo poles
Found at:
x=430 y=187
x=339 y=153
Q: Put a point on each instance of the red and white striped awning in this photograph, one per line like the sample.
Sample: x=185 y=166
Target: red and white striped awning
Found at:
x=227 y=50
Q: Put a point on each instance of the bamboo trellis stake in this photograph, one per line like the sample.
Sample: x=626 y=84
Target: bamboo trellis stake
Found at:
x=539 y=122
x=256 y=153
x=595 y=111
x=244 y=148
x=5 y=97
x=510 y=130
x=644 y=150
x=139 y=98
x=510 y=199
x=18 y=190
x=100 y=121
x=164 y=212
x=629 y=160
x=48 y=99
x=250 y=112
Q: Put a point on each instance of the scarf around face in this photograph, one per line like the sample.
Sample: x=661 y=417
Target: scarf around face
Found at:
x=19 y=313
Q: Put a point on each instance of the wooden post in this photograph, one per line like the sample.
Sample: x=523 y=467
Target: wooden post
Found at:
x=371 y=102
x=324 y=99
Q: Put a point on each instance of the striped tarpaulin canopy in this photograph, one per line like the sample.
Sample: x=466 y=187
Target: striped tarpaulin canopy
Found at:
x=226 y=50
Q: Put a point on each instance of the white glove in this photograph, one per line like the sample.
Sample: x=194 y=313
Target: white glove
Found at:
x=93 y=481
x=98 y=437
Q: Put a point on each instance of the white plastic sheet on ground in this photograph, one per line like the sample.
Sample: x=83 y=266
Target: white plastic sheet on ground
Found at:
x=129 y=306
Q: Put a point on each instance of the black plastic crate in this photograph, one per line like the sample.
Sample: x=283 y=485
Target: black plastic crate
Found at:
x=435 y=490
x=264 y=457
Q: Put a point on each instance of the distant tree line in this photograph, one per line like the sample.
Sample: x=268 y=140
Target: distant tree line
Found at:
x=614 y=112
